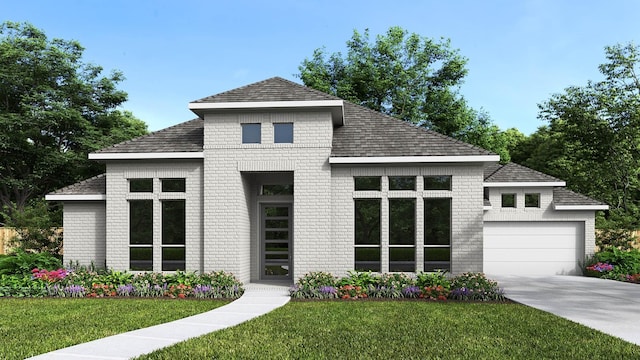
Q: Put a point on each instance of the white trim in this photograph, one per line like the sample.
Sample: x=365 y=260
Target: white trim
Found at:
x=487 y=207
x=525 y=184
x=62 y=197
x=146 y=156
x=264 y=104
x=580 y=207
x=412 y=159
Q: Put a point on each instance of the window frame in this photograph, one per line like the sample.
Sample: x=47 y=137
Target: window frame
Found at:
x=249 y=133
x=392 y=179
x=358 y=245
x=429 y=245
x=527 y=204
x=278 y=129
x=364 y=187
x=448 y=182
x=515 y=201
x=166 y=246
x=145 y=245
x=395 y=265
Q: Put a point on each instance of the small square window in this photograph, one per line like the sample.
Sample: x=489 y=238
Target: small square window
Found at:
x=364 y=183
x=140 y=185
x=251 y=133
x=532 y=200
x=173 y=185
x=508 y=200
x=402 y=182
x=437 y=182
x=283 y=133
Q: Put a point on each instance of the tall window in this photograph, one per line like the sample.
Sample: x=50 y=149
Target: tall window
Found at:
x=437 y=234
x=173 y=235
x=402 y=234
x=367 y=231
x=141 y=235
x=283 y=133
x=251 y=133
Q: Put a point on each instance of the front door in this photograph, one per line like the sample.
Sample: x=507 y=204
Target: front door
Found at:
x=276 y=235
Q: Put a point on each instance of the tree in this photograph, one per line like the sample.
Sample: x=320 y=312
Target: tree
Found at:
x=593 y=137
x=407 y=76
x=54 y=110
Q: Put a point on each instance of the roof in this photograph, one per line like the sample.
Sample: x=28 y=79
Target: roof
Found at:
x=368 y=133
x=94 y=188
x=512 y=173
x=563 y=197
x=184 y=137
x=273 y=89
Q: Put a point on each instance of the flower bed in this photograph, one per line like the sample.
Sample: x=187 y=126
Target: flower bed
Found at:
x=86 y=283
x=615 y=264
x=427 y=286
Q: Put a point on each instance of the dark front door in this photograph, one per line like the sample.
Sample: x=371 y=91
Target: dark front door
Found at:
x=276 y=240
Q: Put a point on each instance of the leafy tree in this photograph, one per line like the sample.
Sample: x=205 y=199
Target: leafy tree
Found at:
x=54 y=109
x=407 y=76
x=593 y=137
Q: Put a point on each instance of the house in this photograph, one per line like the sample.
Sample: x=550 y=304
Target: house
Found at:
x=274 y=180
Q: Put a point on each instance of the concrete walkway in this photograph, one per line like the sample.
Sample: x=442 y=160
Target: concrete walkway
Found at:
x=257 y=300
x=606 y=305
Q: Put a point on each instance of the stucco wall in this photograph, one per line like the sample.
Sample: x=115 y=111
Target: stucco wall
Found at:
x=84 y=233
x=466 y=195
x=117 y=209
x=544 y=213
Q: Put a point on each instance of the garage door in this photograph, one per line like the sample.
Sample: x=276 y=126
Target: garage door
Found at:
x=533 y=248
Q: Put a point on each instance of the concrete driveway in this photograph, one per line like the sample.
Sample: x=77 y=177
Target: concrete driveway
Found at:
x=612 y=307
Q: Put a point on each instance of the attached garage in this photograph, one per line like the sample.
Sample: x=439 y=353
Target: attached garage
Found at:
x=533 y=248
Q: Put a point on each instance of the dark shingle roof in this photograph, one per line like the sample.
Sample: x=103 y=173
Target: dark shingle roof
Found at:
x=513 y=172
x=273 y=89
x=184 y=137
x=96 y=185
x=564 y=196
x=369 y=133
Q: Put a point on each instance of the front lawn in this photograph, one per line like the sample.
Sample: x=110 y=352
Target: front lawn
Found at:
x=30 y=327
x=403 y=330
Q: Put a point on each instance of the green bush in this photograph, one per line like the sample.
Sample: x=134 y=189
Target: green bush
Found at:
x=21 y=262
x=358 y=278
x=435 y=279
x=624 y=262
x=475 y=287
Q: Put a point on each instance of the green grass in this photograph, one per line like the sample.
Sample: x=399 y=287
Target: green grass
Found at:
x=403 y=330
x=33 y=326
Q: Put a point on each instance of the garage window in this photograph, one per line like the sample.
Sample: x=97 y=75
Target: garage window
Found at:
x=532 y=200
x=508 y=200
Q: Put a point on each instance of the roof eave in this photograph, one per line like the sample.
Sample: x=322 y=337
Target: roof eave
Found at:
x=75 y=197
x=147 y=156
x=580 y=207
x=335 y=106
x=524 y=184
x=413 y=159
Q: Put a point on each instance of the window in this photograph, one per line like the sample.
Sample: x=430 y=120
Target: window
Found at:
x=508 y=200
x=173 y=235
x=402 y=182
x=363 y=183
x=532 y=200
x=367 y=234
x=251 y=133
x=437 y=234
x=141 y=235
x=283 y=133
x=277 y=189
x=437 y=183
x=173 y=185
x=402 y=234
x=140 y=185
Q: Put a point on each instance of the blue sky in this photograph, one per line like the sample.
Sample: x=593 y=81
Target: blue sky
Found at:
x=173 y=52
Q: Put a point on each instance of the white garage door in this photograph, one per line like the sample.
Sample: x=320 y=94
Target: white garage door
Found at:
x=533 y=248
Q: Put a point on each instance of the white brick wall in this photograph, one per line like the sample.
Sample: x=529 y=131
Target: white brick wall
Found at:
x=84 y=232
x=230 y=189
x=117 y=209
x=544 y=213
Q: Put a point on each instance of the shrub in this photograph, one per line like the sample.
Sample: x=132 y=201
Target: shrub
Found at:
x=21 y=263
x=624 y=262
x=317 y=279
x=476 y=287
x=428 y=279
x=361 y=279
